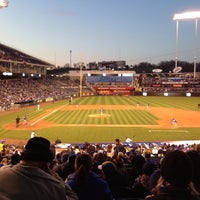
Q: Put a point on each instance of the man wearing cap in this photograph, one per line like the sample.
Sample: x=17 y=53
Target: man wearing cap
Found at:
x=32 y=179
x=176 y=175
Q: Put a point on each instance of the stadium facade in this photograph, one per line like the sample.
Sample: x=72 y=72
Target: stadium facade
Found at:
x=16 y=63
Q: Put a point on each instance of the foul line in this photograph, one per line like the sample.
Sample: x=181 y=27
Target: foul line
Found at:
x=35 y=122
x=161 y=130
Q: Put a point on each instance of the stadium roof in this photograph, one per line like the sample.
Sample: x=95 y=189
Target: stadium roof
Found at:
x=9 y=54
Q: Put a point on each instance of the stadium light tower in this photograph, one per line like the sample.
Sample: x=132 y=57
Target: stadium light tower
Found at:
x=3 y=3
x=182 y=16
x=70 y=54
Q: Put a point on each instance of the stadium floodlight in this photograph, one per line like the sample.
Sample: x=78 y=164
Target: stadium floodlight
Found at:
x=7 y=73
x=3 y=3
x=187 y=15
x=182 y=16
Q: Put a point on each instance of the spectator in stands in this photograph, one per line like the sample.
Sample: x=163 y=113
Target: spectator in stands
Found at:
x=128 y=141
x=66 y=165
x=59 y=166
x=31 y=178
x=153 y=181
x=137 y=163
x=119 y=147
x=141 y=188
x=119 y=161
x=110 y=150
x=4 y=162
x=86 y=183
x=15 y=159
x=195 y=157
x=176 y=175
x=116 y=183
x=58 y=141
x=99 y=157
x=198 y=148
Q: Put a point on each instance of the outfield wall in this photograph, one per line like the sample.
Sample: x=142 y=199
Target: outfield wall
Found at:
x=181 y=94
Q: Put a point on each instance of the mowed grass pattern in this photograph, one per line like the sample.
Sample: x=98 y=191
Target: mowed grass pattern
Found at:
x=185 y=103
x=111 y=127
x=132 y=117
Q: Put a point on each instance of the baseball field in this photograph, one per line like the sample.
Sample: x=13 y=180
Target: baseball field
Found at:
x=104 y=118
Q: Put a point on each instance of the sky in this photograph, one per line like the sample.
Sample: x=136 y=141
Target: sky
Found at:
x=100 y=30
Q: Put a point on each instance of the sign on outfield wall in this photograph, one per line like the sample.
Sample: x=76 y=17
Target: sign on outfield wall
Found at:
x=157 y=70
x=49 y=99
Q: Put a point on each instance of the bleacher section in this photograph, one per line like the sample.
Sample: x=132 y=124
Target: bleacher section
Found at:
x=175 y=85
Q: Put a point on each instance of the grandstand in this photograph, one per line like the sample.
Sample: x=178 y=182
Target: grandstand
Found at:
x=171 y=84
x=16 y=63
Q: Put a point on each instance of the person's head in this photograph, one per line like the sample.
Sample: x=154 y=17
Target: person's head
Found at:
x=148 y=168
x=4 y=161
x=15 y=158
x=177 y=169
x=64 y=157
x=83 y=165
x=72 y=158
x=109 y=169
x=109 y=147
x=117 y=141
x=195 y=157
x=83 y=161
x=37 y=149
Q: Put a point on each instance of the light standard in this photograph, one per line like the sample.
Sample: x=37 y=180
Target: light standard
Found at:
x=188 y=15
x=70 y=52
x=3 y=3
x=195 y=46
x=176 y=59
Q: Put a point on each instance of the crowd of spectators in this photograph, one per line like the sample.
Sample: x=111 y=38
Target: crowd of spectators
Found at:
x=121 y=170
x=174 y=84
x=15 y=91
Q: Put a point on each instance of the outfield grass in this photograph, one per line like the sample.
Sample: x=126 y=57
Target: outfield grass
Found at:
x=101 y=131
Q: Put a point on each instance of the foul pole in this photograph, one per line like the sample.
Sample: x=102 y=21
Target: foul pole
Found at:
x=81 y=77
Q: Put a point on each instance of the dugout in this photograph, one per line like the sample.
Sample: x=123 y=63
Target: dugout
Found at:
x=24 y=104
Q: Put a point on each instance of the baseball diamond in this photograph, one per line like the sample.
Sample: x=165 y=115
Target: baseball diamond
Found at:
x=122 y=117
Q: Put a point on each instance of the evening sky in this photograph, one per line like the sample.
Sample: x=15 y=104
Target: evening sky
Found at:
x=99 y=30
